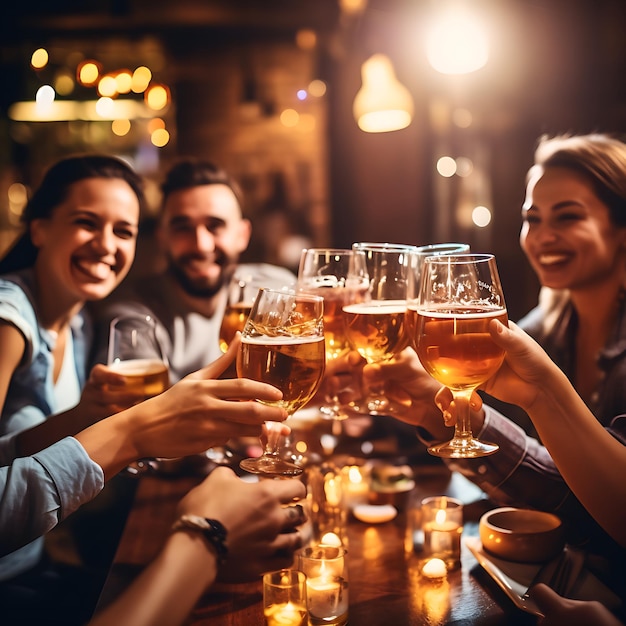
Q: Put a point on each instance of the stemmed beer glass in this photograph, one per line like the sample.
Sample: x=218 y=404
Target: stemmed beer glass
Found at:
x=135 y=352
x=375 y=327
x=415 y=275
x=459 y=295
x=282 y=344
x=340 y=277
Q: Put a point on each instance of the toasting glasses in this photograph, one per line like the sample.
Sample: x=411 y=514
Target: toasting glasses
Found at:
x=282 y=344
x=459 y=295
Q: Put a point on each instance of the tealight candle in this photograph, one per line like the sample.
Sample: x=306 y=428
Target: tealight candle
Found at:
x=434 y=568
x=284 y=598
x=326 y=583
x=374 y=514
x=356 y=485
x=442 y=523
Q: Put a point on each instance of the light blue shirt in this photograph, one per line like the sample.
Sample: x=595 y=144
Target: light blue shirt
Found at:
x=30 y=397
x=39 y=491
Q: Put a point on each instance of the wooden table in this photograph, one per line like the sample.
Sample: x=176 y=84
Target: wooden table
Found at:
x=386 y=588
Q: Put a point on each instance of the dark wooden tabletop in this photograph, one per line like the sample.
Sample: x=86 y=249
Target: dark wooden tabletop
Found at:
x=386 y=588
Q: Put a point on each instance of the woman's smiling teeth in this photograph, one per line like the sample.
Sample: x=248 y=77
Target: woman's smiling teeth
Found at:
x=98 y=270
x=552 y=259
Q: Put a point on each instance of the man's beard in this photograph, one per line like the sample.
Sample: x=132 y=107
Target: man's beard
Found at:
x=200 y=288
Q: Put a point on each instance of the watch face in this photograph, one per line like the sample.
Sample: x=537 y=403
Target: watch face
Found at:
x=212 y=530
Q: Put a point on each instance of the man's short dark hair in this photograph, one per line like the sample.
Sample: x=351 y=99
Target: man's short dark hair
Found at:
x=189 y=173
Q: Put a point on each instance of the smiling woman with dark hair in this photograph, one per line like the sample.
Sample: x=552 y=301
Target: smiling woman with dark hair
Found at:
x=79 y=243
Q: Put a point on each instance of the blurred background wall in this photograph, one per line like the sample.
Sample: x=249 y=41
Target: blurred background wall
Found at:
x=267 y=89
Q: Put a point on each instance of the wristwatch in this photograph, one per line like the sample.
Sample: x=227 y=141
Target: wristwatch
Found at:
x=212 y=530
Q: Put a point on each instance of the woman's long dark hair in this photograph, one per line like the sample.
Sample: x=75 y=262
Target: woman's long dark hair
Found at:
x=52 y=192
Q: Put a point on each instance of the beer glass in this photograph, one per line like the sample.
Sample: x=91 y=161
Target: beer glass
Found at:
x=135 y=352
x=242 y=290
x=340 y=277
x=459 y=295
x=415 y=276
x=375 y=327
x=282 y=344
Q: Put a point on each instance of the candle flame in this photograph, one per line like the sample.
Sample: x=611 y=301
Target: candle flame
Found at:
x=331 y=539
x=440 y=516
x=354 y=474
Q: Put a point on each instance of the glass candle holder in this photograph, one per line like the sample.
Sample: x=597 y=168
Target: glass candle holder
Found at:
x=284 y=598
x=326 y=501
x=327 y=584
x=442 y=523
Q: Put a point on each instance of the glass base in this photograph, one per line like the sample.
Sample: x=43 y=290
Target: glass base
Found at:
x=374 y=406
x=270 y=466
x=459 y=448
x=219 y=455
x=333 y=413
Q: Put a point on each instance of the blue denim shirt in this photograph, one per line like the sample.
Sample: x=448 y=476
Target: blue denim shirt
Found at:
x=39 y=491
x=30 y=396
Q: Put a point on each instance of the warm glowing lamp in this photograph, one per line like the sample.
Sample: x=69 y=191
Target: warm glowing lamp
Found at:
x=457 y=42
x=382 y=104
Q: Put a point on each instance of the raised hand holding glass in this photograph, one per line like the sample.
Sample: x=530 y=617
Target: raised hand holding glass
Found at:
x=282 y=344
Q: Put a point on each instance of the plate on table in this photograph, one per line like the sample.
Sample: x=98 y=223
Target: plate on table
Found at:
x=515 y=579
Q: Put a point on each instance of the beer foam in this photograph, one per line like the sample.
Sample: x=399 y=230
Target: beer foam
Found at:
x=377 y=307
x=283 y=340
x=448 y=313
x=140 y=367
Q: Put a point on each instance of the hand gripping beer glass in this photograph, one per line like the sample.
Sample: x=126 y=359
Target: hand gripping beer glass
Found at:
x=459 y=296
x=282 y=344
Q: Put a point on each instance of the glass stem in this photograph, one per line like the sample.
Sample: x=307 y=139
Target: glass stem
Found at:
x=273 y=438
x=463 y=427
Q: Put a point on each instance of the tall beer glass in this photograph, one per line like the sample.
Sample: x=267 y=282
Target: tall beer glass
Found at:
x=135 y=352
x=459 y=296
x=340 y=277
x=282 y=344
x=415 y=276
x=375 y=327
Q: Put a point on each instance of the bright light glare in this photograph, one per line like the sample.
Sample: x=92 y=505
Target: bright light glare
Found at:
x=481 y=216
x=457 y=42
x=44 y=99
x=160 y=137
x=88 y=73
x=289 y=118
x=120 y=127
x=105 y=107
x=464 y=167
x=39 y=58
x=157 y=97
x=446 y=166
x=317 y=88
x=141 y=79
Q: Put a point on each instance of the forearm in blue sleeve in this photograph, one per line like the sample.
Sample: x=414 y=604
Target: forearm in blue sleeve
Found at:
x=39 y=491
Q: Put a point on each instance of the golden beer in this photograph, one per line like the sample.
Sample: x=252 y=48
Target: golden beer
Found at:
x=335 y=298
x=293 y=365
x=376 y=330
x=235 y=317
x=147 y=377
x=455 y=347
